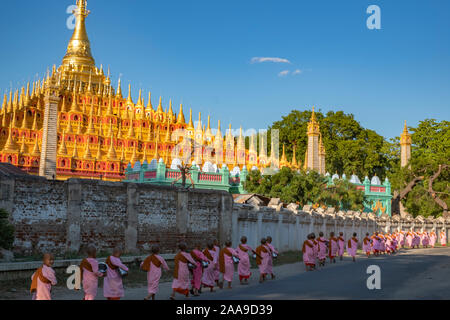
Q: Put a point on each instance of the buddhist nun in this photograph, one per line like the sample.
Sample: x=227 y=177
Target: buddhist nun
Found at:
x=443 y=238
x=180 y=282
x=153 y=265
x=262 y=258
x=333 y=248
x=272 y=251
x=209 y=273
x=433 y=238
x=309 y=258
x=352 y=247
x=409 y=239
x=323 y=244
x=367 y=247
x=43 y=279
x=243 y=251
x=90 y=274
x=197 y=273
x=341 y=243
x=216 y=252
x=113 y=285
x=226 y=263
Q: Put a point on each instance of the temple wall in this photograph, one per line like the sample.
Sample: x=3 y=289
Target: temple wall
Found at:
x=61 y=216
x=64 y=216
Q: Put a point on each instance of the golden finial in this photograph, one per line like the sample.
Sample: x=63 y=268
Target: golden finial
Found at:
x=219 y=133
x=140 y=103
x=79 y=48
x=87 y=153
x=180 y=119
x=149 y=104
x=129 y=99
x=112 y=156
x=75 y=150
x=160 y=109
x=199 y=124
x=27 y=95
x=89 y=88
x=119 y=131
x=10 y=145
x=23 y=147
x=62 y=147
x=36 y=152
x=119 y=90
x=98 y=156
x=134 y=158
x=131 y=133
x=24 y=122
x=191 y=123
x=79 y=129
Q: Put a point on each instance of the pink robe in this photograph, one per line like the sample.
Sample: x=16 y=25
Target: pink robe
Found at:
x=270 y=262
x=433 y=239
x=443 y=238
x=209 y=274
x=183 y=273
x=367 y=246
x=425 y=240
x=229 y=265
x=44 y=290
x=244 y=261
x=341 y=243
x=112 y=285
x=334 y=248
x=198 y=272
x=388 y=244
x=322 y=248
x=401 y=239
x=351 y=250
x=409 y=240
x=416 y=240
x=309 y=257
x=376 y=244
x=154 y=275
x=90 y=280
x=264 y=262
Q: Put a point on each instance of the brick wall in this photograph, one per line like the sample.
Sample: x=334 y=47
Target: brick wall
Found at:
x=65 y=216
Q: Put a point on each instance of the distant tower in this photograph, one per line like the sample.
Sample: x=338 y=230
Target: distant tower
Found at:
x=312 y=158
x=322 y=157
x=405 y=147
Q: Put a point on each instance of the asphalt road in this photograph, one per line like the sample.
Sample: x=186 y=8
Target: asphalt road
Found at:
x=412 y=274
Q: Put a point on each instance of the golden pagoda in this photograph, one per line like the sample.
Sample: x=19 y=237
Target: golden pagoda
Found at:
x=75 y=124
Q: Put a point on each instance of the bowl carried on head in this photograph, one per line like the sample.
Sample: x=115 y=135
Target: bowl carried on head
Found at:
x=236 y=260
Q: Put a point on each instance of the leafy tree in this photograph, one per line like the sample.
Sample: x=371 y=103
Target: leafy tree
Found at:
x=423 y=188
x=298 y=187
x=6 y=231
x=350 y=147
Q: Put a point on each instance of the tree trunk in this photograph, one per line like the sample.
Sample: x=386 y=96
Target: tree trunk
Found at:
x=400 y=196
x=436 y=199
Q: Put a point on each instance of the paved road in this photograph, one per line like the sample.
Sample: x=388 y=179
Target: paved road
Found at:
x=410 y=274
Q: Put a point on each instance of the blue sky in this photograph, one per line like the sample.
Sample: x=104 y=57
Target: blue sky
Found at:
x=200 y=53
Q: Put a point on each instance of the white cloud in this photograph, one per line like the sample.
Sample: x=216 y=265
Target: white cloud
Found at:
x=298 y=71
x=283 y=73
x=269 y=59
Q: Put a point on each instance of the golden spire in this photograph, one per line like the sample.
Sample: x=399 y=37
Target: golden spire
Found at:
x=199 y=124
x=119 y=90
x=129 y=99
x=110 y=130
x=160 y=109
x=109 y=111
x=191 y=123
x=144 y=156
x=219 y=133
x=79 y=129
x=24 y=122
x=157 y=151
x=112 y=156
x=89 y=88
x=98 y=156
x=5 y=103
x=91 y=129
x=313 y=125
x=134 y=156
x=14 y=119
x=405 y=137
x=10 y=102
x=283 y=157
x=119 y=131
x=294 y=159
x=27 y=95
x=139 y=102
x=10 y=145
x=36 y=152
x=122 y=154
x=23 y=147
x=79 y=48
x=181 y=119
x=170 y=114
x=87 y=153
x=64 y=105
x=168 y=138
x=62 y=148
x=131 y=133
x=74 y=107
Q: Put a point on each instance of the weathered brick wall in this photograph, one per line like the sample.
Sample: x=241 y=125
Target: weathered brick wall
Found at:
x=65 y=216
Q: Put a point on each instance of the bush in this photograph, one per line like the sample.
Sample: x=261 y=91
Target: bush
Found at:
x=6 y=231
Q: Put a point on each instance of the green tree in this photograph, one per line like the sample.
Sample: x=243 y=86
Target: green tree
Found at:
x=350 y=147
x=6 y=231
x=423 y=188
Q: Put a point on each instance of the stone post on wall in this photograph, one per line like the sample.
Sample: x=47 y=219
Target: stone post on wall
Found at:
x=73 y=226
x=226 y=217
x=131 y=226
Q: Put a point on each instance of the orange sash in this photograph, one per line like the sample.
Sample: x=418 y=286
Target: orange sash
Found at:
x=195 y=257
x=38 y=275
x=85 y=264
x=208 y=255
x=260 y=249
x=110 y=265
x=179 y=258
x=146 y=266
x=243 y=248
x=350 y=242
x=222 y=254
x=341 y=239
x=306 y=243
x=366 y=240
